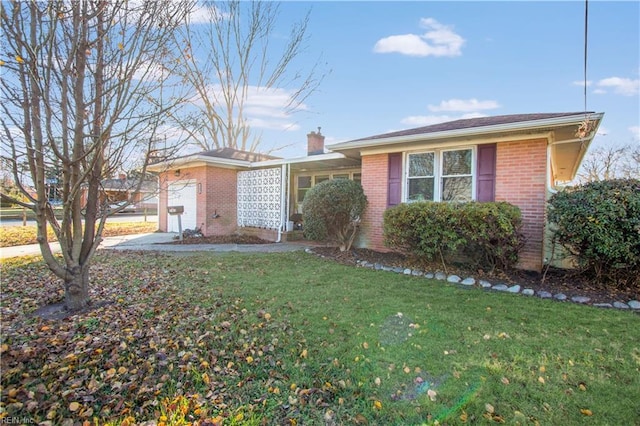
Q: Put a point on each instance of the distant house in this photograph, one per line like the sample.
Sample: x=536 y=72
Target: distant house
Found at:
x=519 y=158
x=143 y=196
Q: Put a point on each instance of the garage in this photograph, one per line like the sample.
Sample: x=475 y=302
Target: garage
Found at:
x=182 y=193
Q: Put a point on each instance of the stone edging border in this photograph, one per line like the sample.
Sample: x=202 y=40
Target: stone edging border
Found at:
x=470 y=281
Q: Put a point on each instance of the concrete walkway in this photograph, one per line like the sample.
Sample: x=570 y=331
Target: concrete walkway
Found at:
x=154 y=242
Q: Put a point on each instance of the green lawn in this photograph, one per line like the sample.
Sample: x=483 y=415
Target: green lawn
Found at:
x=293 y=339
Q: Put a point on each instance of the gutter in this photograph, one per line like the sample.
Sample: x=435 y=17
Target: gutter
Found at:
x=471 y=131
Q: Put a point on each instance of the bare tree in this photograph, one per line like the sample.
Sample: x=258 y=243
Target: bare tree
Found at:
x=229 y=62
x=610 y=162
x=84 y=89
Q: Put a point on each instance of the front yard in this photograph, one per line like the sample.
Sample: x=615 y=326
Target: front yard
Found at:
x=293 y=339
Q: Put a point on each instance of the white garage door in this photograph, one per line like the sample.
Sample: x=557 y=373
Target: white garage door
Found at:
x=182 y=193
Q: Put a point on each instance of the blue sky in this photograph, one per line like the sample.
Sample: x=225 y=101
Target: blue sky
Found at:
x=399 y=65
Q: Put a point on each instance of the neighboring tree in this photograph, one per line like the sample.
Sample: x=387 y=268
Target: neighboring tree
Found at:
x=84 y=90
x=610 y=162
x=234 y=67
x=332 y=210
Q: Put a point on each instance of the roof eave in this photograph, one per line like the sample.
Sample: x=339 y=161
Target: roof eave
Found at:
x=471 y=131
x=207 y=160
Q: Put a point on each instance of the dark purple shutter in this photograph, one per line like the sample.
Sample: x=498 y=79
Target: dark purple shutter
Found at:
x=395 y=179
x=486 y=169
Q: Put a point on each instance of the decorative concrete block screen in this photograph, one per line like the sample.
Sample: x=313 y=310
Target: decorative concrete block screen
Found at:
x=259 y=198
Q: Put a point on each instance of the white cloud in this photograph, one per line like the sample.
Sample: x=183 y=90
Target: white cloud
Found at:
x=428 y=120
x=635 y=130
x=581 y=83
x=619 y=85
x=439 y=40
x=205 y=13
x=265 y=108
x=602 y=131
x=599 y=91
x=464 y=105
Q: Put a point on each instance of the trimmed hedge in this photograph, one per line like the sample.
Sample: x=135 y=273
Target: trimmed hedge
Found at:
x=599 y=223
x=488 y=235
x=332 y=210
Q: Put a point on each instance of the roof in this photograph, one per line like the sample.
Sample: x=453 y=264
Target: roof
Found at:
x=474 y=123
x=235 y=154
x=221 y=157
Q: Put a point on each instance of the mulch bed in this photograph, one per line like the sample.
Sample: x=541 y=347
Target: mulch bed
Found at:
x=554 y=281
x=223 y=239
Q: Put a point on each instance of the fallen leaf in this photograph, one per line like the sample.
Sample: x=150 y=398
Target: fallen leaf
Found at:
x=541 y=379
x=432 y=394
x=377 y=405
x=504 y=381
x=586 y=412
x=489 y=408
x=74 y=406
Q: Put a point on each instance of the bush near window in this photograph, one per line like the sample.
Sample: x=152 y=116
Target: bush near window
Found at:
x=599 y=223
x=486 y=235
x=332 y=210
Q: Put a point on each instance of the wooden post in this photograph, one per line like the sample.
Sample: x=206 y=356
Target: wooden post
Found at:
x=24 y=216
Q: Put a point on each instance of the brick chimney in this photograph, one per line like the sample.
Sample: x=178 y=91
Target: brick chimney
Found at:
x=315 y=143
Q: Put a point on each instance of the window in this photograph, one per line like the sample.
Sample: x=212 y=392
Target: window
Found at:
x=444 y=175
x=306 y=182
x=421 y=177
x=457 y=180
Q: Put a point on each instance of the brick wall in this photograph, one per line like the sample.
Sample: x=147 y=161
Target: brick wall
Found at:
x=375 y=176
x=521 y=180
x=221 y=197
x=216 y=191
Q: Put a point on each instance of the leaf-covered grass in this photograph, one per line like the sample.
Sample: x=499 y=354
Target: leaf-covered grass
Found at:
x=293 y=339
x=20 y=235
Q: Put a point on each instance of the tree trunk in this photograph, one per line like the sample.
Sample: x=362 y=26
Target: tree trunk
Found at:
x=76 y=289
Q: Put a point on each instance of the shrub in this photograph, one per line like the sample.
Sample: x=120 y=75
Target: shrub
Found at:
x=599 y=223
x=485 y=234
x=332 y=211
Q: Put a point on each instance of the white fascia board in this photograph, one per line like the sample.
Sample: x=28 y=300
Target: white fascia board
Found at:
x=472 y=131
x=307 y=159
x=198 y=160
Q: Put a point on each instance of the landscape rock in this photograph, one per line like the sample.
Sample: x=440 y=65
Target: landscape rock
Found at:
x=468 y=281
x=603 y=305
x=398 y=269
x=429 y=275
x=528 y=292
x=580 y=299
x=634 y=304
x=484 y=284
x=407 y=271
x=453 y=279
x=377 y=266
x=514 y=289
x=440 y=276
x=544 y=294
x=500 y=287
x=416 y=273
x=620 y=305
x=560 y=296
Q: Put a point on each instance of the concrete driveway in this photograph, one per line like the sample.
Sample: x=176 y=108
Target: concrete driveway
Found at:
x=155 y=242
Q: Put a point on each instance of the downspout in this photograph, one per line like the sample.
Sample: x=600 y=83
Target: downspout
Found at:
x=283 y=202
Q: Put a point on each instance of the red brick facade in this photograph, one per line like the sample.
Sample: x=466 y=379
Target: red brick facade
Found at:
x=521 y=180
x=375 y=176
x=521 y=169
